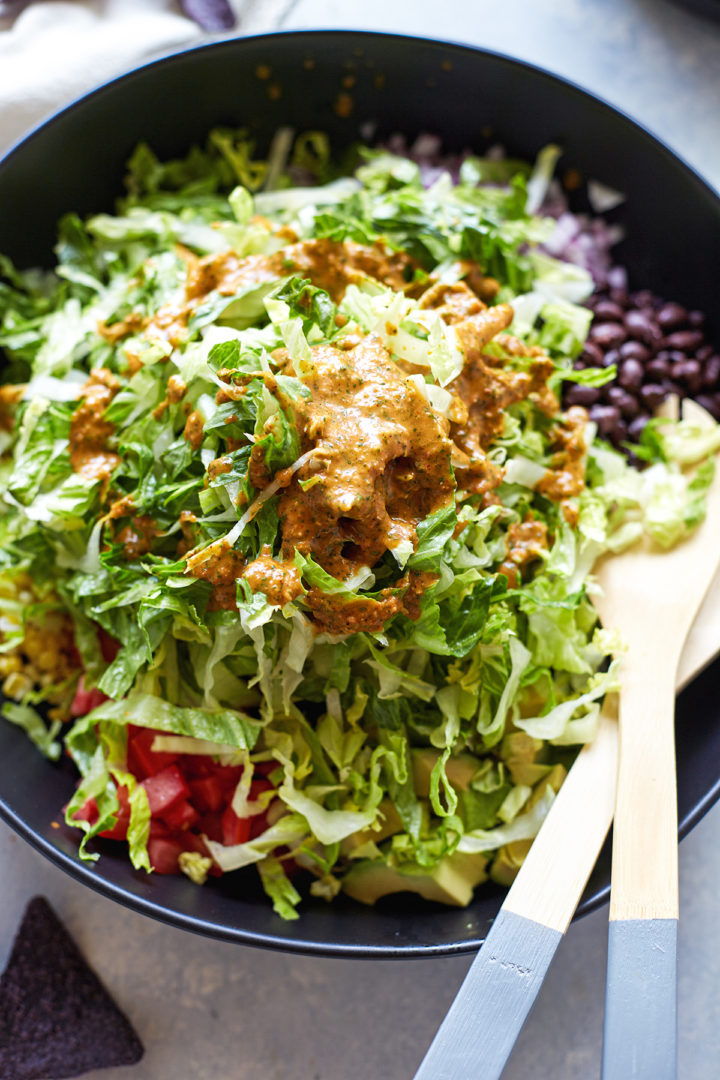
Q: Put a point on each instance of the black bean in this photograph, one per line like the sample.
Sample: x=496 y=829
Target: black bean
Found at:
x=622 y=400
x=582 y=395
x=711 y=372
x=608 y=335
x=686 y=341
x=592 y=354
x=620 y=432
x=607 y=311
x=644 y=298
x=635 y=350
x=641 y=326
x=670 y=386
x=688 y=372
x=696 y=319
x=620 y=296
x=704 y=352
x=711 y=403
x=612 y=356
x=636 y=427
x=631 y=374
x=671 y=316
x=658 y=368
x=605 y=416
x=652 y=394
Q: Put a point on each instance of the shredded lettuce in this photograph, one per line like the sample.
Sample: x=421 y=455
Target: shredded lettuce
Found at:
x=428 y=743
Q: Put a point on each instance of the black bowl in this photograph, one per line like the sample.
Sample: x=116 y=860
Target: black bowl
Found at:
x=399 y=84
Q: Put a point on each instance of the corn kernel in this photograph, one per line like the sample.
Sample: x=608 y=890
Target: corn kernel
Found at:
x=16 y=686
x=10 y=663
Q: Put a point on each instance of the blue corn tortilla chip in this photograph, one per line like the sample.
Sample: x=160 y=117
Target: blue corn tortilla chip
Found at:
x=56 y=1018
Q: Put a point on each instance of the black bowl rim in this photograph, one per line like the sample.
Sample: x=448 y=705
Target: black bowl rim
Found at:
x=84 y=872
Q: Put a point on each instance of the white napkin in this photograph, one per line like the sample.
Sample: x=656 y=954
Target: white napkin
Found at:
x=55 y=51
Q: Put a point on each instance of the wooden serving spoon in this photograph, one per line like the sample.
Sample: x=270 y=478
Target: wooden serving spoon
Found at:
x=480 y=1030
x=651 y=597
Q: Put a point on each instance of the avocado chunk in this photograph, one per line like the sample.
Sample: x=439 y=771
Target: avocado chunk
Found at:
x=390 y=823
x=450 y=882
x=459 y=770
x=524 y=756
x=508 y=861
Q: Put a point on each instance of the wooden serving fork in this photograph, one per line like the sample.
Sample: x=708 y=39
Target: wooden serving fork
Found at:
x=651 y=597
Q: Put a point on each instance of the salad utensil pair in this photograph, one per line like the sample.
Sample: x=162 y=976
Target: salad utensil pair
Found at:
x=479 y=1032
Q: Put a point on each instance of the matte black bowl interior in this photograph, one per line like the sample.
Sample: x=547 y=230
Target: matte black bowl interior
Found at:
x=76 y=161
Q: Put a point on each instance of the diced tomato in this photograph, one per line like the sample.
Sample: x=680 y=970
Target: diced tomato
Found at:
x=235 y=830
x=181 y=815
x=258 y=823
x=211 y=826
x=87 y=812
x=164 y=853
x=120 y=828
x=197 y=765
x=158 y=827
x=264 y=768
x=109 y=647
x=192 y=842
x=261 y=784
x=86 y=700
x=142 y=759
x=164 y=789
x=208 y=794
x=229 y=777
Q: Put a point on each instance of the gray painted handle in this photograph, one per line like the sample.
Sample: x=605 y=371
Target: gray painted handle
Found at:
x=476 y=1037
x=640 y=1040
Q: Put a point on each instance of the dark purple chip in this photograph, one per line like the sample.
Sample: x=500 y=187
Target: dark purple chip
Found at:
x=56 y=1018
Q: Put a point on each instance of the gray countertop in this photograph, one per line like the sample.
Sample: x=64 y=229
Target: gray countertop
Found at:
x=207 y=1009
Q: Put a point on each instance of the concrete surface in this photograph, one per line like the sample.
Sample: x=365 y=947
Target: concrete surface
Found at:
x=206 y=1009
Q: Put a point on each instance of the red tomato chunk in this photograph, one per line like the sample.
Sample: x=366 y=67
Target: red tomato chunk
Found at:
x=164 y=789
x=164 y=853
x=142 y=759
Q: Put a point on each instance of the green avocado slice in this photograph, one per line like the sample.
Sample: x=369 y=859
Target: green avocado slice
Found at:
x=450 y=882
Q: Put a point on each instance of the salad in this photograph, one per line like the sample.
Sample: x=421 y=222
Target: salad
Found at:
x=296 y=538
